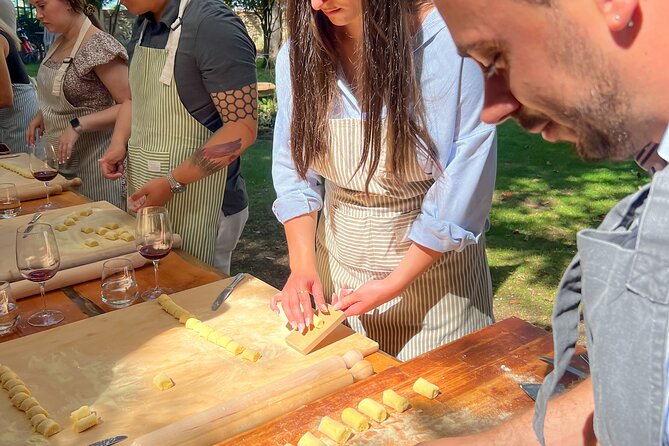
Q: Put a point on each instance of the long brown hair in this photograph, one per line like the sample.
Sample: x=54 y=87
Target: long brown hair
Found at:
x=87 y=9
x=388 y=78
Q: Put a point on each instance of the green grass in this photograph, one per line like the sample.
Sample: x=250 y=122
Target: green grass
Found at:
x=544 y=195
x=32 y=69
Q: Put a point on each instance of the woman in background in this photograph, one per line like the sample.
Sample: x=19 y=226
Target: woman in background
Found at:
x=378 y=127
x=80 y=84
x=18 y=99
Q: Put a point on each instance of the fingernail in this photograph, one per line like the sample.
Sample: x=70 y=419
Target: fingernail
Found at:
x=277 y=312
x=292 y=324
x=324 y=307
x=308 y=322
x=300 y=326
x=337 y=306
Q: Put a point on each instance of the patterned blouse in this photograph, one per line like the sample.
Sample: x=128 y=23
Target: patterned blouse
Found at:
x=82 y=87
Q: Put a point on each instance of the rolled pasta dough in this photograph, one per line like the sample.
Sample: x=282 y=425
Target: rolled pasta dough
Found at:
x=397 y=402
x=334 y=430
x=355 y=419
x=373 y=409
x=309 y=439
x=425 y=388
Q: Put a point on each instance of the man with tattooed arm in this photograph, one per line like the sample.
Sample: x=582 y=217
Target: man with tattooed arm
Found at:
x=193 y=112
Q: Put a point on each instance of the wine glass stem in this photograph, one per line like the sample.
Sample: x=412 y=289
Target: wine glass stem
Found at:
x=41 y=290
x=155 y=272
x=46 y=184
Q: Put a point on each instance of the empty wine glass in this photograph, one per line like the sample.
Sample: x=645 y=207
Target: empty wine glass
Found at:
x=119 y=286
x=9 y=312
x=154 y=241
x=38 y=260
x=44 y=167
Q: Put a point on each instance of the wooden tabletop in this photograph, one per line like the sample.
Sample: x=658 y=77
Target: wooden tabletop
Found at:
x=478 y=376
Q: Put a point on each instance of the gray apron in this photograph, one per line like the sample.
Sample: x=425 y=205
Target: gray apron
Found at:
x=14 y=120
x=622 y=277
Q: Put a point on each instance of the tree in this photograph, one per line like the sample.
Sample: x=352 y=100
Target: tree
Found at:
x=268 y=13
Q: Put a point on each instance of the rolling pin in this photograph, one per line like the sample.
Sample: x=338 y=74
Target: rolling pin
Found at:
x=69 y=184
x=35 y=191
x=254 y=408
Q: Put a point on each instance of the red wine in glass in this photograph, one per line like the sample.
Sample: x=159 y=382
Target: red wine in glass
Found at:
x=44 y=167
x=45 y=175
x=153 y=236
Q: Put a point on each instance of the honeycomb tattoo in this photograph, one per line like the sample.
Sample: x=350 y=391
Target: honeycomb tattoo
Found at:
x=234 y=105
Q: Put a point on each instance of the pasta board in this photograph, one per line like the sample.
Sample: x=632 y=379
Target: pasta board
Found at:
x=73 y=251
x=23 y=182
x=109 y=362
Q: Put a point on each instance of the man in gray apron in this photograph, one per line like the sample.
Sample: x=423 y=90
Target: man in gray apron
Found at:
x=193 y=83
x=593 y=73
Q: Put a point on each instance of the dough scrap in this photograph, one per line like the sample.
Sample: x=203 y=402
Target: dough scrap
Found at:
x=60 y=228
x=69 y=222
x=111 y=225
x=162 y=381
x=394 y=400
x=334 y=430
x=86 y=422
x=355 y=419
x=126 y=236
x=91 y=242
x=425 y=388
x=101 y=230
x=373 y=410
x=86 y=212
x=309 y=439
x=48 y=427
x=250 y=355
x=87 y=229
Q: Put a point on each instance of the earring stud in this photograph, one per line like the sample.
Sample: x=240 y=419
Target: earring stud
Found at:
x=630 y=24
x=616 y=18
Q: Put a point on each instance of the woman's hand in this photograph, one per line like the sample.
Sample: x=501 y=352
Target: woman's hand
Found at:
x=111 y=162
x=66 y=143
x=294 y=298
x=37 y=123
x=367 y=297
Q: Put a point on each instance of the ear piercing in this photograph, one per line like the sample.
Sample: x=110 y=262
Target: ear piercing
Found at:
x=630 y=24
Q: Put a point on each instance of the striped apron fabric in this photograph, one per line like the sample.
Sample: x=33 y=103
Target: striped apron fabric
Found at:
x=14 y=120
x=163 y=135
x=364 y=237
x=58 y=112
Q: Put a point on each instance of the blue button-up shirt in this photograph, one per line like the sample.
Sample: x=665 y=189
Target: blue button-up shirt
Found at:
x=455 y=209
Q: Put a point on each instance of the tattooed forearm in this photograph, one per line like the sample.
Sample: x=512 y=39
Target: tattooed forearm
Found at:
x=214 y=158
x=234 y=105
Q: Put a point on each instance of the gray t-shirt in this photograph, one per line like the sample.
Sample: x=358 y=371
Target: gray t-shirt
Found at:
x=215 y=54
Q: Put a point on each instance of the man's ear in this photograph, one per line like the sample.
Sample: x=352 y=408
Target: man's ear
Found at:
x=618 y=13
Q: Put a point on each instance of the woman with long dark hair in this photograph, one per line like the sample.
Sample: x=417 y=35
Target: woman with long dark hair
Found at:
x=81 y=84
x=378 y=128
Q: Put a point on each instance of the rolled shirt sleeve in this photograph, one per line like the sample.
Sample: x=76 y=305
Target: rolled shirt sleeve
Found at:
x=295 y=196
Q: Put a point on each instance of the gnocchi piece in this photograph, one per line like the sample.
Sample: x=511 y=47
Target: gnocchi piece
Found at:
x=355 y=419
x=223 y=341
x=11 y=382
x=250 y=355
x=162 y=381
x=352 y=357
x=7 y=375
x=69 y=222
x=317 y=321
x=28 y=403
x=204 y=330
x=4 y=369
x=362 y=370
x=373 y=410
x=19 y=388
x=80 y=413
x=111 y=225
x=86 y=212
x=19 y=398
x=48 y=427
x=126 y=236
x=101 y=230
x=111 y=235
x=334 y=430
x=394 y=400
x=310 y=439
x=234 y=347
x=425 y=388
x=87 y=229
x=91 y=242
x=86 y=422
x=36 y=410
x=60 y=228
x=192 y=323
x=73 y=216
x=213 y=336
x=37 y=419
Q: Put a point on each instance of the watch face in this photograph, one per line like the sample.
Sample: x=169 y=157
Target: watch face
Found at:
x=179 y=188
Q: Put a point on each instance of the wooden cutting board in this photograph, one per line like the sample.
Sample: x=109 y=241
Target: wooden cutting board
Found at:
x=478 y=376
x=71 y=246
x=109 y=362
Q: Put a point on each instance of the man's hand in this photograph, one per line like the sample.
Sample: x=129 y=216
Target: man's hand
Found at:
x=156 y=192
x=111 y=162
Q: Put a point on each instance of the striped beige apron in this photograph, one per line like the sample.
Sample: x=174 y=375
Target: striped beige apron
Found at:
x=163 y=135
x=14 y=120
x=364 y=237
x=58 y=112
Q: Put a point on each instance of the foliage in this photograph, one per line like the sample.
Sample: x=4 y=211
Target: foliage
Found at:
x=268 y=13
x=267 y=109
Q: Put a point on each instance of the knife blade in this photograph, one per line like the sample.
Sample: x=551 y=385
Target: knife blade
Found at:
x=570 y=369
x=87 y=306
x=31 y=224
x=13 y=155
x=532 y=389
x=109 y=441
x=226 y=292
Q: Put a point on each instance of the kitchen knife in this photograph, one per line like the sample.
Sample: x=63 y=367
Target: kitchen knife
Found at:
x=109 y=441
x=532 y=389
x=226 y=292
x=570 y=369
x=31 y=224
x=87 y=306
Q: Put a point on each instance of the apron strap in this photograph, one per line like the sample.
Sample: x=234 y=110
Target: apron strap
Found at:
x=56 y=88
x=172 y=44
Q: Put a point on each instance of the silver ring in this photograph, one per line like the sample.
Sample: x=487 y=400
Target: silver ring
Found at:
x=303 y=291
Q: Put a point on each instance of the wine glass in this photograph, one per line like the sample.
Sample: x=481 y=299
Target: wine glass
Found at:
x=44 y=167
x=154 y=241
x=38 y=260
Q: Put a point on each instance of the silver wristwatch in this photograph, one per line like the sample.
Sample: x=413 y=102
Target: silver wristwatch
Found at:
x=175 y=186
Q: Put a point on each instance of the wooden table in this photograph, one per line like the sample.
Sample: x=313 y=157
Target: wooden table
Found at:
x=478 y=376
